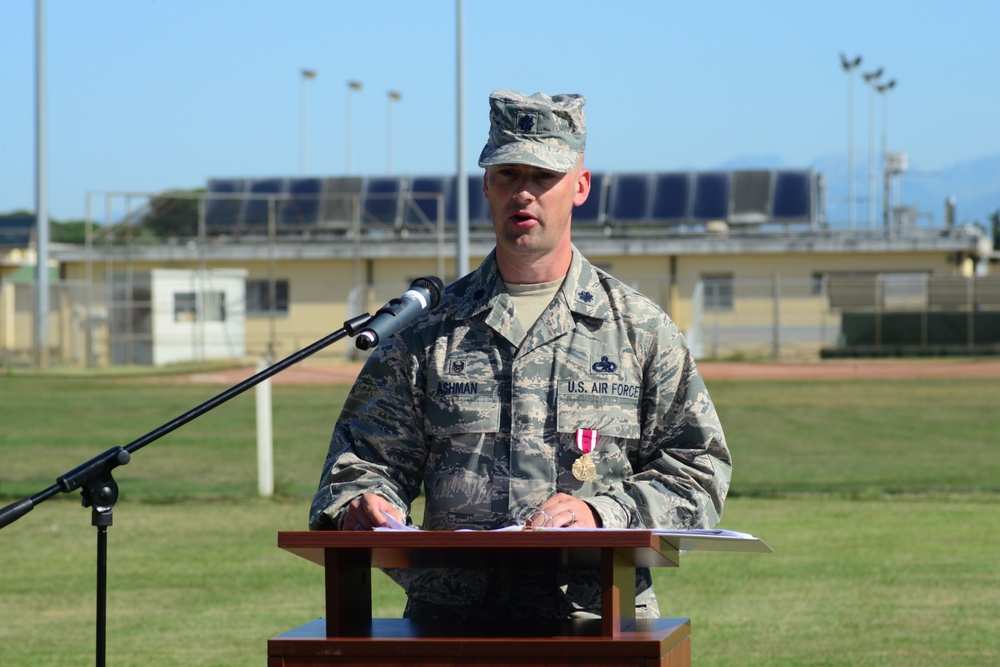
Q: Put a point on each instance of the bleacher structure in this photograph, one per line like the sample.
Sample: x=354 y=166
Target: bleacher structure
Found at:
x=678 y=201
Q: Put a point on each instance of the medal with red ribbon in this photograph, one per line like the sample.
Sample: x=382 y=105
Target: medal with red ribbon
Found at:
x=584 y=468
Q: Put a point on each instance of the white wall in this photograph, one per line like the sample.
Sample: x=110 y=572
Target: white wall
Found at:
x=179 y=335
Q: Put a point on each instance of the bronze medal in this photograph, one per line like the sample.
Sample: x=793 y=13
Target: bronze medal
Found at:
x=584 y=468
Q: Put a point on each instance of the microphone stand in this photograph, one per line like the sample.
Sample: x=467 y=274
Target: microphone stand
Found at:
x=100 y=491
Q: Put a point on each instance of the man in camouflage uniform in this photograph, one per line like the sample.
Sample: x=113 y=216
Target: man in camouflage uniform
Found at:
x=540 y=388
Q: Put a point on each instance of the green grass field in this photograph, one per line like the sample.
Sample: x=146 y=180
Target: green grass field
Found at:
x=880 y=498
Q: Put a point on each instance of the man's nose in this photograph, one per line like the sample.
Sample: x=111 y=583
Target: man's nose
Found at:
x=523 y=191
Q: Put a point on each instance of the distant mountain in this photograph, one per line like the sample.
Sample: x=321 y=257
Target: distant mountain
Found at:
x=974 y=185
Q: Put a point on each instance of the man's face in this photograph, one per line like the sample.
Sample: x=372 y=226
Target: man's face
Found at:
x=531 y=208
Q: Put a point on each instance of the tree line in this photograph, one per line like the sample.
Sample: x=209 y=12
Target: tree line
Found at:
x=170 y=215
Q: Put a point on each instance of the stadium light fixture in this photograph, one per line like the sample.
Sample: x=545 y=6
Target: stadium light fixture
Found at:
x=871 y=78
x=352 y=87
x=847 y=63
x=307 y=75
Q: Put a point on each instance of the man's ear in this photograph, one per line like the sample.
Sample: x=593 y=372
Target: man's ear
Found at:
x=582 y=187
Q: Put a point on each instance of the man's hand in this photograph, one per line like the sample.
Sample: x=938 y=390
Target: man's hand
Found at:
x=365 y=512
x=566 y=512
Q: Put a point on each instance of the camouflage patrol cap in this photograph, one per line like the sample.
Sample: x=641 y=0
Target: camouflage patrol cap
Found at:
x=539 y=131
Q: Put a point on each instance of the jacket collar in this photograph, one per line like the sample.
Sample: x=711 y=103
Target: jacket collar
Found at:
x=581 y=291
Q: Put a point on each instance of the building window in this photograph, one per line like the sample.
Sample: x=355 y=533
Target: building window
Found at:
x=818 y=285
x=213 y=306
x=259 y=297
x=717 y=296
x=185 y=307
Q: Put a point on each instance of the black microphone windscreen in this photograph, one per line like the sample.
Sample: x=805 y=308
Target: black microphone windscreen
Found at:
x=434 y=288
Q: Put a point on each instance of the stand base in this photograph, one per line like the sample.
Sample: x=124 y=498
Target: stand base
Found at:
x=663 y=642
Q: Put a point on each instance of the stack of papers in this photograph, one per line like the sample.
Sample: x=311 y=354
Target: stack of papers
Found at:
x=685 y=539
x=713 y=539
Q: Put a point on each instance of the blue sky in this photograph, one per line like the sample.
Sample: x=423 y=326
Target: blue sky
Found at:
x=149 y=95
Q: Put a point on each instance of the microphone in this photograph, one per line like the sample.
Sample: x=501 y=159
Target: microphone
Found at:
x=424 y=294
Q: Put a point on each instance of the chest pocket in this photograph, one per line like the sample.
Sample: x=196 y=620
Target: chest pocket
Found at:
x=462 y=398
x=454 y=415
x=616 y=417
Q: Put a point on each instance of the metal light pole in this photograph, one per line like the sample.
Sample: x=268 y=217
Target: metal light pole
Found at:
x=41 y=196
x=352 y=87
x=393 y=96
x=307 y=75
x=870 y=78
x=461 y=180
x=849 y=66
x=886 y=203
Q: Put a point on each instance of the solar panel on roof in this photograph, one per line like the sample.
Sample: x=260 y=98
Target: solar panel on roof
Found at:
x=670 y=196
x=428 y=200
x=341 y=201
x=637 y=198
x=751 y=196
x=380 y=204
x=301 y=208
x=711 y=196
x=629 y=198
x=255 y=209
x=591 y=212
x=792 y=196
x=479 y=216
x=222 y=210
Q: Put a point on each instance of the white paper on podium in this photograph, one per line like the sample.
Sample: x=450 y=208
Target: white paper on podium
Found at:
x=690 y=539
x=392 y=523
x=713 y=539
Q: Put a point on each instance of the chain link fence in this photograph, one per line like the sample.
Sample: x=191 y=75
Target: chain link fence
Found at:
x=723 y=318
x=70 y=329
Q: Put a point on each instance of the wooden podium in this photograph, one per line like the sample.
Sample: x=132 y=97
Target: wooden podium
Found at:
x=350 y=636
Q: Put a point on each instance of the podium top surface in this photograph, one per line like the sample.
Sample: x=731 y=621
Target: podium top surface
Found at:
x=575 y=547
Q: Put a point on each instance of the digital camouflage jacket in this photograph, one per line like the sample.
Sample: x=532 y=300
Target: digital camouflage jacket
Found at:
x=484 y=415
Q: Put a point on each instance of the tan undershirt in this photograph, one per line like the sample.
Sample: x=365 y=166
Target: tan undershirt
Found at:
x=531 y=300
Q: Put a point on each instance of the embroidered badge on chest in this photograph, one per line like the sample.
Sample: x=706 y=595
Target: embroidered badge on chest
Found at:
x=605 y=365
